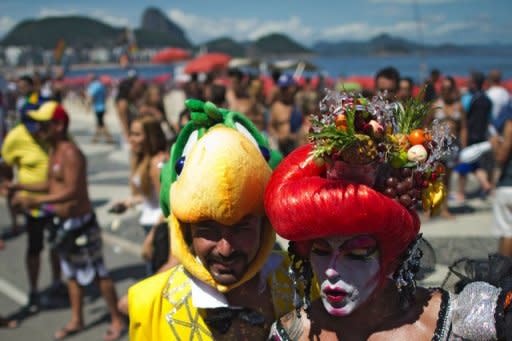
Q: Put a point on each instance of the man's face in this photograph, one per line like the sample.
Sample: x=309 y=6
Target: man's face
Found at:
x=24 y=87
x=404 y=90
x=347 y=270
x=48 y=131
x=387 y=85
x=227 y=251
x=447 y=91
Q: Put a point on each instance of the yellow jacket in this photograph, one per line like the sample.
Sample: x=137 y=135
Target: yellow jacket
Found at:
x=161 y=308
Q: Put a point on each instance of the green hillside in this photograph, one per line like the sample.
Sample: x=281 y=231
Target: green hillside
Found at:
x=76 y=31
x=225 y=45
x=276 y=43
x=147 y=38
x=83 y=32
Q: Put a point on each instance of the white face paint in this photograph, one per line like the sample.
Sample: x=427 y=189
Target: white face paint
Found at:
x=347 y=270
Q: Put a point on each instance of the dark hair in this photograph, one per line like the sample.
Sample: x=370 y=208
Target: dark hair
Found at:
x=209 y=79
x=28 y=79
x=275 y=75
x=160 y=246
x=218 y=93
x=478 y=78
x=494 y=76
x=124 y=88
x=242 y=91
x=389 y=73
x=236 y=73
x=435 y=73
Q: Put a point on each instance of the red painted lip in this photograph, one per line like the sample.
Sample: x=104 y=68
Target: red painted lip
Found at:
x=335 y=295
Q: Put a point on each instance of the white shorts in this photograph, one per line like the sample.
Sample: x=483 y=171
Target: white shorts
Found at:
x=502 y=208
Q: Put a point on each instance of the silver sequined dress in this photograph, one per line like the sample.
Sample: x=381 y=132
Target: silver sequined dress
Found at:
x=469 y=315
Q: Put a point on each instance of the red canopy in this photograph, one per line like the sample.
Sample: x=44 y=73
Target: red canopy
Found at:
x=208 y=62
x=170 y=55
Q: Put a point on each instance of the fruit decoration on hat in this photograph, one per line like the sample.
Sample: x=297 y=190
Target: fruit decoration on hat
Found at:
x=384 y=146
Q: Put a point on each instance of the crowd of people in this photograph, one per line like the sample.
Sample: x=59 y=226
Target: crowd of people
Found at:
x=208 y=252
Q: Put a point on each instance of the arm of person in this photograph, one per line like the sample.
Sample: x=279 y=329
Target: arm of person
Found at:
x=122 y=113
x=463 y=128
x=502 y=147
x=89 y=95
x=271 y=121
x=154 y=171
x=39 y=187
x=147 y=245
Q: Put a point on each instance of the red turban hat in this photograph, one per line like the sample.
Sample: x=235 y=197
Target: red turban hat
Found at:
x=303 y=205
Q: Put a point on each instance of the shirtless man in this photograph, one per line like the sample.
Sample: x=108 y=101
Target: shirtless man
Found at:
x=285 y=119
x=78 y=236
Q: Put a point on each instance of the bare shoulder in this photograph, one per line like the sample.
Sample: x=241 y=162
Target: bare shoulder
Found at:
x=429 y=302
x=296 y=327
x=69 y=151
x=435 y=298
x=68 y=147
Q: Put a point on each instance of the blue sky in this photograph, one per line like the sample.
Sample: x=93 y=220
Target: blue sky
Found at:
x=457 y=21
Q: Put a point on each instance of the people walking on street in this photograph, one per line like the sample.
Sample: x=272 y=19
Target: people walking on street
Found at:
x=24 y=150
x=97 y=96
x=78 y=237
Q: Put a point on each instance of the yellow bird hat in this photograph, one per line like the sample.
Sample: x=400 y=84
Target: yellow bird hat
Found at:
x=223 y=179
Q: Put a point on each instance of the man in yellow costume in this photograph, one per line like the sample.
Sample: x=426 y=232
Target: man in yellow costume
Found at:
x=229 y=284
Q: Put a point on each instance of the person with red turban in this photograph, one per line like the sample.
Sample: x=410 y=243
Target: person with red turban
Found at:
x=349 y=212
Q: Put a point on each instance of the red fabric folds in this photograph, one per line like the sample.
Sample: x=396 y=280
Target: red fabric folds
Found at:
x=303 y=205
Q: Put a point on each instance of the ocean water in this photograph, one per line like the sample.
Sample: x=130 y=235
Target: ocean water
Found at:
x=416 y=67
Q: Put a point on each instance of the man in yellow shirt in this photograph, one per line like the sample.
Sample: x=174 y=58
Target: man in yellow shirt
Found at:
x=21 y=150
x=229 y=284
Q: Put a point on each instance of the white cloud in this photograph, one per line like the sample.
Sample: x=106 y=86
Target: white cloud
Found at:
x=53 y=12
x=364 y=30
x=445 y=29
x=434 y=26
x=111 y=19
x=6 y=23
x=201 y=28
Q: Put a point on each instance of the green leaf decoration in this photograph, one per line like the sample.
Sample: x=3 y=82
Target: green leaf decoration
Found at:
x=193 y=104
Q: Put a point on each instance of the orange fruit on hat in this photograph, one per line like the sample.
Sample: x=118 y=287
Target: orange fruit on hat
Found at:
x=417 y=136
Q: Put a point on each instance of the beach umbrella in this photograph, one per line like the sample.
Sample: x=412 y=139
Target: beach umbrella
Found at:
x=207 y=63
x=170 y=55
